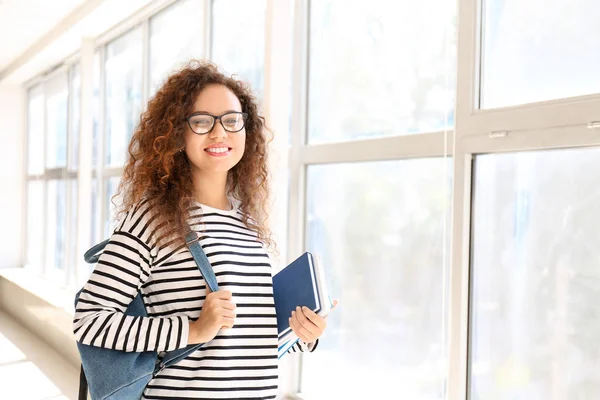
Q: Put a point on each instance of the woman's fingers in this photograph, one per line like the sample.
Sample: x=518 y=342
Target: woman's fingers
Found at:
x=314 y=318
x=227 y=322
x=227 y=304
x=300 y=331
x=305 y=323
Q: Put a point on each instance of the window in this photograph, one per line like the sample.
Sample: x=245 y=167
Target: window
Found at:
x=56 y=224
x=535 y=52
x=123 y=95
x=35 y=186
x=535 y=277
x=379 y=227
x=35 y=131
x=35 y=225
x=56 y=94
x=176 y=36
x=238 y=39
x=380 y=68
x=52 y=147
x=74 y=116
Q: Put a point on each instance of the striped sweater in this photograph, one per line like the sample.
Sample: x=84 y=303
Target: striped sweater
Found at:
x=240 y=363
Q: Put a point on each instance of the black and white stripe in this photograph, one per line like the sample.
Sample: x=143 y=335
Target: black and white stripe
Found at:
x=238 y=364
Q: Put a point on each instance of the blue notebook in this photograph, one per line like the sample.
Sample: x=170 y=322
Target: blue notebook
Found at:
x=301 y=283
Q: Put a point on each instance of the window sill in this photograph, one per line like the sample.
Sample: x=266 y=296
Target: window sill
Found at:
x=48 y=291
x=41 y=306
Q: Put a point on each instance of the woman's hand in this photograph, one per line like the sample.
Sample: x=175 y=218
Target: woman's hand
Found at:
x=308 y=325
x=218 y=312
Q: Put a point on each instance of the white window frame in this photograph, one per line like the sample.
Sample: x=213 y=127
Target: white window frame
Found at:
x=563 y=123
x=553 y=124
x=65 y=174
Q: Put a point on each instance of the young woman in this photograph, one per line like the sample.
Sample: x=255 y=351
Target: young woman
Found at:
x=199 y=156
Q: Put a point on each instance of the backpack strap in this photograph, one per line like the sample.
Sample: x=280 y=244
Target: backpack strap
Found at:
x=191 y=240
x=83 y=385
x=93 y=255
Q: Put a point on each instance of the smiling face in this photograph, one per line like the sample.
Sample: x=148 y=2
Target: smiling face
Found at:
x=217 y=151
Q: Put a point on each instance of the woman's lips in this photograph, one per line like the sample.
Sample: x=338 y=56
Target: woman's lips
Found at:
x=218 y=151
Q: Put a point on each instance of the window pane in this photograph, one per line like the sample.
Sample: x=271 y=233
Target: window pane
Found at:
x=380 y=68
x=57 y=93
x=123 y=94
x=56 y=224
x=95 y=212
x=552 y=58
x=380 y=230
x=96 y=103
x=110 y=189
x=238 y=41
x=35 y=224
x=75 y=100
x=535 y=276
x=35 y=132
x=176 y=36
x=74 y=259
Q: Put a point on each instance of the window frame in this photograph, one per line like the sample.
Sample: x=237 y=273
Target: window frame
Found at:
x=65 y=174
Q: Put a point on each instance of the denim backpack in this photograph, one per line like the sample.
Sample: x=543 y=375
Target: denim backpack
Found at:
x=118 y=375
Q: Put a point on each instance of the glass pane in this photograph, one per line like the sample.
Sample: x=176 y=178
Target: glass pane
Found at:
x=238 y=41
x=96 y=110
x=552 y=58
x=35 y=131
x=95 y=212
x=35 y=225
x=176 y=36
x=74 y=258
x=110 y=189
x=56 y=224
x=91 y=237
x=380 y=230
x=535 y=276
x=380 y=68
x=74 y=118
x=57 y=94
x=123 y=94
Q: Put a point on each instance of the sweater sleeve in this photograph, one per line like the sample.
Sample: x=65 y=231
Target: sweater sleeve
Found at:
x=301 y=346
x=117 y=278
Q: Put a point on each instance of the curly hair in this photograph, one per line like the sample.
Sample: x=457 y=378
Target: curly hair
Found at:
x=159 y=174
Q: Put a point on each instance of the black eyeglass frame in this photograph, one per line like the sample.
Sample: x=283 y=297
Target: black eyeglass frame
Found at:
x=215 y=118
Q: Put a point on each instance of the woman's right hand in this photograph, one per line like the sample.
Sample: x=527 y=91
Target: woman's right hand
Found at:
x=218 y=312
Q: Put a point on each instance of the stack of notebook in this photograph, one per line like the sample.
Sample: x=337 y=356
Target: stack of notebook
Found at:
x=301 y=283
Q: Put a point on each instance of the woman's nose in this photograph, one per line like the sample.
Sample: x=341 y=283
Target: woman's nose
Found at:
x=218 y=130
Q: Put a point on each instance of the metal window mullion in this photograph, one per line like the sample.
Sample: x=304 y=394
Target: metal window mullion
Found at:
x=385 y=148
x=539 y=139
x=467 y=95
x=208 y=28
x=297 y=198
x=45 y=186
x=25 y=211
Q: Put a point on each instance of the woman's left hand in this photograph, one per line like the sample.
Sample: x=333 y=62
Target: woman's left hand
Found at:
x=307 y=325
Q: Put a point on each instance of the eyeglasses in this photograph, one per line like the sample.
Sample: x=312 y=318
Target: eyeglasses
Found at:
x=202 y=123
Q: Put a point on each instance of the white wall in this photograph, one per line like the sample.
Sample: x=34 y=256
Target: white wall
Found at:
x=13 y=101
